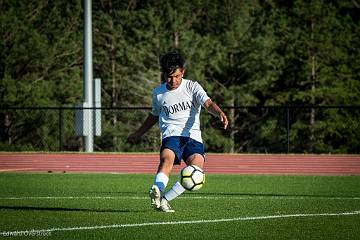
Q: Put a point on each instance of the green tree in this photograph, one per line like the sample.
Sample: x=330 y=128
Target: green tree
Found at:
x=317 y=40
x=40 y=63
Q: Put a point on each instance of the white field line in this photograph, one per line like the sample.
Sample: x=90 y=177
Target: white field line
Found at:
x=182 y=197
x=145 y=224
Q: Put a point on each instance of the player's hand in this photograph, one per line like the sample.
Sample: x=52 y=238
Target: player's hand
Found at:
x=134 y=138
x=224 y=120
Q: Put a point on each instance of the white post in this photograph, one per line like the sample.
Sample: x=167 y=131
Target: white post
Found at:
x=97 y=105
x=88 y=77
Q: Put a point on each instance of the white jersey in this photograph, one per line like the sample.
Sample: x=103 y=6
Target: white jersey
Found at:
x=179 y=110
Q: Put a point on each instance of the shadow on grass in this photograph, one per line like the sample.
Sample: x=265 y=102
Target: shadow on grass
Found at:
x=118 y=193
x=270 y=195
x=244 y=194
x=28 y=208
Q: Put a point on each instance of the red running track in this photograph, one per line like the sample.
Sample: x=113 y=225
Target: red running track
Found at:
x=215 y=163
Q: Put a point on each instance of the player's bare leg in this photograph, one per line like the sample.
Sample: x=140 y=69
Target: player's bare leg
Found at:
x=167 y=158
x=177 y=189
x=196 y=159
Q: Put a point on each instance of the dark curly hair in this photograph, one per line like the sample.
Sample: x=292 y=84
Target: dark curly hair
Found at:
x=171 y=61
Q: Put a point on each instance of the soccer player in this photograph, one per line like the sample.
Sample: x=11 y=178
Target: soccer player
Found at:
x=176 y=106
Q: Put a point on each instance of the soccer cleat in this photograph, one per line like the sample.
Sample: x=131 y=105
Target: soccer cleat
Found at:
x=165 y=206
x=155 y=195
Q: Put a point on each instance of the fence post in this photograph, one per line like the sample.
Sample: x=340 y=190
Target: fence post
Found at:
x=288 y=128
x=61 y=124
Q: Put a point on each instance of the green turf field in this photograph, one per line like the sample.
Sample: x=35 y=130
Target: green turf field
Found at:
x=115 y=206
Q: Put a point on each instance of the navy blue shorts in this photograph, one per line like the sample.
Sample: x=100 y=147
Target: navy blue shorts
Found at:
x=183 y=147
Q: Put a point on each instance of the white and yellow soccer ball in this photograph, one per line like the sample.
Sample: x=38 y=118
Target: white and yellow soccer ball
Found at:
x=192 y=178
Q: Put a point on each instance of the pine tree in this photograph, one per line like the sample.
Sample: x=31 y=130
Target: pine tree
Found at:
x=318 y=70
x=40 y=65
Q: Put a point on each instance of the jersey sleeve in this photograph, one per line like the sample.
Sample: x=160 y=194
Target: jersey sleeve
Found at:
x=199 y=93
x=155 y=111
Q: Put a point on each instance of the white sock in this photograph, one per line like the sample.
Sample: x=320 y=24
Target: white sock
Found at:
x=161 y=180
x=176 y=190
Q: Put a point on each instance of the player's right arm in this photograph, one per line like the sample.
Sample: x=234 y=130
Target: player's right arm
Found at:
x=150 y=121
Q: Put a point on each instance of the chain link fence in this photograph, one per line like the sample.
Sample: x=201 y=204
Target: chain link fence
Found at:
x=299 y=129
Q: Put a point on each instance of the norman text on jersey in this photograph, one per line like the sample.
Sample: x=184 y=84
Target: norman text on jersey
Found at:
x=177 y=107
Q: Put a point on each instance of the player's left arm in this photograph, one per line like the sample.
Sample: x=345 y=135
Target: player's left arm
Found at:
x=215 y=110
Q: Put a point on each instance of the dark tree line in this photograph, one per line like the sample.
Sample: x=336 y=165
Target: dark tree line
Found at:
x=244 y=53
